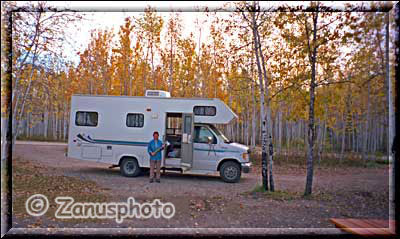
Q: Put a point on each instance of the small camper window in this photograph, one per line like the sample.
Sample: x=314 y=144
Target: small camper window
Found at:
x=135 y=120
x=205 y=110
x=84 y=118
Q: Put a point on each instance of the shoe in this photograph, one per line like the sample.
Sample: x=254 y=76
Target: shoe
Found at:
x=151 y=180
x=158 y=180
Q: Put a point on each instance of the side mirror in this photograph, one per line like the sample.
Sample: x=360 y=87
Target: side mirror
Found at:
x=209 y=140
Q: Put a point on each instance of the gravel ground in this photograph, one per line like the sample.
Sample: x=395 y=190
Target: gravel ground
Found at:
x=208 y=202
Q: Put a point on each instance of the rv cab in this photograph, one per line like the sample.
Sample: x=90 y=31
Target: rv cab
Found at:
x=202 y=148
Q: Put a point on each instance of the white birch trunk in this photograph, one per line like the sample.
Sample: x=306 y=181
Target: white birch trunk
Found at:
x=262 y=117
x=46 y=123
x=390 y=94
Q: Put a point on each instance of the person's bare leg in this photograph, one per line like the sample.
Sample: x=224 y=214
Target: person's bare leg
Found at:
x=158 y=169
x=152 y=162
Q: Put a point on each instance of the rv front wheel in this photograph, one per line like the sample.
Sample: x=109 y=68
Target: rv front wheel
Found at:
x=230 y=172
x=129 y=167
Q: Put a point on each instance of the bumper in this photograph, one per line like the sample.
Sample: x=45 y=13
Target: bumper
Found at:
x=246 y=167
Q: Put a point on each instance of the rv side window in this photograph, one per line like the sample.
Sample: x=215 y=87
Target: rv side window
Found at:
x=135 y=120
x=83 y=118
x=205 y=110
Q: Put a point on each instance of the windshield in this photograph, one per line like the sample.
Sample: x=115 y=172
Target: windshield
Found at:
x=220 y=134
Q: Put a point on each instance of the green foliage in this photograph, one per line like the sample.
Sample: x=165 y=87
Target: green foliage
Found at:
x=276 y=195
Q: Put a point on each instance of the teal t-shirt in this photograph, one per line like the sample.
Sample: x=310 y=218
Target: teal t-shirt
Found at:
x=153 y=145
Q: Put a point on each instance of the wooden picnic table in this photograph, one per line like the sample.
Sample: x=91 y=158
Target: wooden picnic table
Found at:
x=366 y=227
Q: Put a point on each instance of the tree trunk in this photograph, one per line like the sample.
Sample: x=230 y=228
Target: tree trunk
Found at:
x=247 y=121
x=152 y=67
x=343 y=138
x=253 y=120
x=280 y=130
x=59 y=132
x=230 y=126
x=322 y=142
x=389 y=94
x=288 y=134
x=45 y=122
x=311 y=130
x=262 y=117
x=26 y=123
x=170 y=68
x=54 y=124
x=268 y=114
x=318 y=139
x=365 y=138
x=353 y=133
x=27 y=90
x=66 y=120
x=144 y=72
x=15 y=110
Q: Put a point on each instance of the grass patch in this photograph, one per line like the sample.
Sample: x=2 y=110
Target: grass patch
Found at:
x=383 y=161
x=40 y=138
x=288 y=196
x=258 y=189
x=30 y=179
x=325 y=162
x=319 y=196
x=276 y=195
x=376 y=164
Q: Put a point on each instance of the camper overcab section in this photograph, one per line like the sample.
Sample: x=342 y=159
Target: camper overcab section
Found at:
x=117 y=129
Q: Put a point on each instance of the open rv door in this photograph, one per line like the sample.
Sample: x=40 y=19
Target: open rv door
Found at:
x=187 y=140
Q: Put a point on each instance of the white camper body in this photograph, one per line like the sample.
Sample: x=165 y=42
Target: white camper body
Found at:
x=116 y=130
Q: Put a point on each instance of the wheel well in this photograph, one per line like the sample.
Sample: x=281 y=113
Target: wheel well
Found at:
x=227 y=160
x=126 y=157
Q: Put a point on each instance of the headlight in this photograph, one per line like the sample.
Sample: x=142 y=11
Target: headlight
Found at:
x=245 y=156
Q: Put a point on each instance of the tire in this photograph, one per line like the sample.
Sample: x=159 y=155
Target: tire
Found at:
x=129 y=167
x=230 y=172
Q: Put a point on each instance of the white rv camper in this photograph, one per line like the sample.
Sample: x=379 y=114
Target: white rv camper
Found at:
x=116 y=130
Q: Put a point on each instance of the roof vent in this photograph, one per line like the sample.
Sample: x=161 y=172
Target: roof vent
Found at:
x=158 y=93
